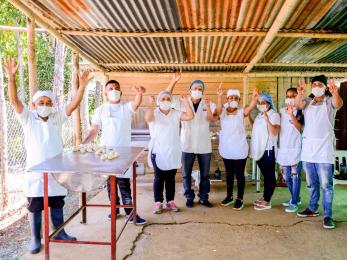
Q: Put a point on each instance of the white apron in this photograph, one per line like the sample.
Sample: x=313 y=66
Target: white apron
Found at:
x=165 y=140
x=290 y=142
x=42 y=143
x=232 y=137
x=318 y=136
x=260 y=136
x=115 y=130
x=195 y=134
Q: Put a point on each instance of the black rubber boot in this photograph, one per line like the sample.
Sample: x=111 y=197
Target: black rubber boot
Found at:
x=35 y=220
x=57 y=220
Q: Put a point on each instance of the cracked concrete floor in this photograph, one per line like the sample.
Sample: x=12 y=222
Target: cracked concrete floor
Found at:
x=217 y=233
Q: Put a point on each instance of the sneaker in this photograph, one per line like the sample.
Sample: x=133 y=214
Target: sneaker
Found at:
x=307 y=213
x=139 y=220
x=328 y=223
x=238 y=205
x=190 y=203
x=117 y=214
x=227 y=201
x=288 y=202
x=263 y=205
x=259 y=201
x=172 y=206
x=158 y=208
x=206 y=203
x=291 y=208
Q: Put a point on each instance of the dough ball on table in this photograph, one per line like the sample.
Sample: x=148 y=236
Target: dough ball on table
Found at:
x=75 y=149
x=103 y=157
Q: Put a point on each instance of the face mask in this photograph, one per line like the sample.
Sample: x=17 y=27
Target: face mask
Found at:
x=233 y=104
x=44 y=111
x=262 y=108
x=196 y=94
x=290 y=101
x=318 y=92
x=165 y=105
x=113 y=95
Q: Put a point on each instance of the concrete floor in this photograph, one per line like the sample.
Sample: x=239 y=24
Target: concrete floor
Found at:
x=217 y=233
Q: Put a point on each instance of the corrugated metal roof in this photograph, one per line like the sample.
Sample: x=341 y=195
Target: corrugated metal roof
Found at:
x=194 y=15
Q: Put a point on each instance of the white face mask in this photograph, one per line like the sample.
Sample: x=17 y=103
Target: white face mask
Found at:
x=165 y=105
x=262 y=108
x=318 y=92
x=290 y=101
x=233 y=104
x=196 y=94
x=44 y=111
x=113 y=95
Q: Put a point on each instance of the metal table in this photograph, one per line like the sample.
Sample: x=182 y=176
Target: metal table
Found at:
x=76 y=162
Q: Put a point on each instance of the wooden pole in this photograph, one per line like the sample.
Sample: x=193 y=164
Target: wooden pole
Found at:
x=3 y=145
x=76 y=117
x=31 y=59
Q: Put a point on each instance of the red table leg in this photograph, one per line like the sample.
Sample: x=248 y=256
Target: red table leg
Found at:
x=113 y=184
x=46 y=213
x=84 y=211
x=134 y=192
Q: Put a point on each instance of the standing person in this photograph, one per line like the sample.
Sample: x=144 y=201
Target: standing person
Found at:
x=196 y=141
x=318 y=140
x=43 y=140
x=113 y=119
x=264 y=147
x=233 y=146
x=290 y=149
x=164 y=148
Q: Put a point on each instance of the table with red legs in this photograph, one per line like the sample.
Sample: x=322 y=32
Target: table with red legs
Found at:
x=83 y=163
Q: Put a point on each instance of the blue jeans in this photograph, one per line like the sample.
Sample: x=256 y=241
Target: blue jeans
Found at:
x=320 y=174
x=292 y=175
x=204 y=166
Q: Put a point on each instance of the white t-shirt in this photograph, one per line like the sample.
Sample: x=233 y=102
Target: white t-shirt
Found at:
x=114 y=120
x=275 y=119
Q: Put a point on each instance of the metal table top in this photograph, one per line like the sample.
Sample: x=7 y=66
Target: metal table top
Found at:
x=77 y=162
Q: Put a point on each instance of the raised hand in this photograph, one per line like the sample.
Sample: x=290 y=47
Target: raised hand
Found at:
x=84 y=78
x=177 y=76
x=290 y=109
x=220 y=90
x=255 y=94
x=10 y=67
x=332 y=86
x=207 y=101
x=140 y=89
x=301 y=87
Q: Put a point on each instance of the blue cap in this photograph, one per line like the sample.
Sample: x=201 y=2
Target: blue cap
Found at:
x=266 y=96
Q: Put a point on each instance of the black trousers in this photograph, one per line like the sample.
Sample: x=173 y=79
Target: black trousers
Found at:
x=235 y=168
x=35 y=204
x=125 y=191
x=267 y=165
x=163 y=178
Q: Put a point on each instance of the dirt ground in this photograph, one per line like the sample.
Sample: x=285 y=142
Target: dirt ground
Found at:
x=217 y=233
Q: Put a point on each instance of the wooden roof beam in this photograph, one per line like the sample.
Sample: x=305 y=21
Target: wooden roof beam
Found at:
x=286 y=10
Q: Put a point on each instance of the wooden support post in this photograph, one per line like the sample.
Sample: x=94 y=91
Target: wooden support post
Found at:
x=76 y=117
x=32 y=58
x=3 y=145
x=105 y=78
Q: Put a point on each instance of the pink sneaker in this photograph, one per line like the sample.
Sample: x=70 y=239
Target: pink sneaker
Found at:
x=158 y=208
x=172 y=206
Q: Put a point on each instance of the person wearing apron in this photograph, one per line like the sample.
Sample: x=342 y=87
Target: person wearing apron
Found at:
x=290 y=149
x=233 y=146
x=113 y=119
x=42 y=129
x=164 y=149
x=196 y=141
x=318 y=143
x=263 y=147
